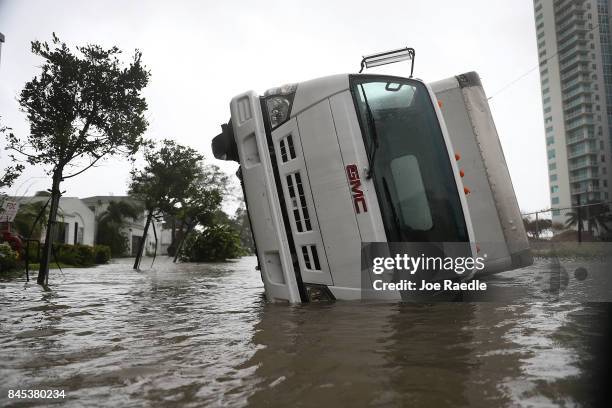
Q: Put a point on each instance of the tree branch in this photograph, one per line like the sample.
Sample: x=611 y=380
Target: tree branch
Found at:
x=90 y=164
x=22 y=152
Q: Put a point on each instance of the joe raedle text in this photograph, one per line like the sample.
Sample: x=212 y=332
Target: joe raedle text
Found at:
x=411 y=264
x=446 y=284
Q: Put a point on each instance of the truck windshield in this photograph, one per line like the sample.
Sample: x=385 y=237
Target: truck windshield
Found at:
x=409 y=161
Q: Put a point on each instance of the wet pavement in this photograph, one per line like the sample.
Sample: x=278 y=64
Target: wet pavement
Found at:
x=203 y=335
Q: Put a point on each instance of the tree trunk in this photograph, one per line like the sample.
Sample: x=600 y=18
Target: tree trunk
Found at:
x=180 y=245
x=43 y=271
x=579 y=222
x=142 y=241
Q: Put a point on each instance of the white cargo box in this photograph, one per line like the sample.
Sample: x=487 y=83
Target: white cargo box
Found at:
x=496 y=218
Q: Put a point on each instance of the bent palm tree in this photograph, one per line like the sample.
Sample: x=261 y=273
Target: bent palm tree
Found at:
x=596 y=215
x=110 y=223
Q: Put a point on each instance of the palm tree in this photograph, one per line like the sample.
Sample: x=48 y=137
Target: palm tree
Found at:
x=595 y=214
x=110 y=223
x=25 y=222
x=117 y=211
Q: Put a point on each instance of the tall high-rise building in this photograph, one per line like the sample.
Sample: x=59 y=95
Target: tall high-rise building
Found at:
x=575 y=55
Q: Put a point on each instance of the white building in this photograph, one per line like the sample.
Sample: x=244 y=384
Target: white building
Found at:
x=133 y=229
x=76 y=222
x=575 y=55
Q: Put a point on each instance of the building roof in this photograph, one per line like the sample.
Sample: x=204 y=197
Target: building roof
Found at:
x=106 y=199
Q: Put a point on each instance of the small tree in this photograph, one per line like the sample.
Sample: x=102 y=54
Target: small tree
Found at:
x=535 y=228
x=164 y=182
x=85 y=105
x=200 y=203
x=8 y=175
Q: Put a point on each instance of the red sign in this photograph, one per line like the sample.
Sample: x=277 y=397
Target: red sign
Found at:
x=358 y=198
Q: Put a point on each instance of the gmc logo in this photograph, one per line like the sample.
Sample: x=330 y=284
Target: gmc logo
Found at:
x=355 y=182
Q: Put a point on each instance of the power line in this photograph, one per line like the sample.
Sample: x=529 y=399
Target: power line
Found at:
x=569 y=208
x=508 y=85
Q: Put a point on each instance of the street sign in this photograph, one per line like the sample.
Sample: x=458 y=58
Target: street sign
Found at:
x=9 y=211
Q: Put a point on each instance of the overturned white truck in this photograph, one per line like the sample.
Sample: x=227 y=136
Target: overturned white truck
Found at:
x=329 y=164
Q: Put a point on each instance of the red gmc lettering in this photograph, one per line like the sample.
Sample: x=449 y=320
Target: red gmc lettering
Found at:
x=355 y=182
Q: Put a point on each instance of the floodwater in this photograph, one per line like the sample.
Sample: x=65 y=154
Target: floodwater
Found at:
x=203 y=335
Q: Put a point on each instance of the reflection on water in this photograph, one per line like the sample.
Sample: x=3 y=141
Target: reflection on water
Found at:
x=193 y=335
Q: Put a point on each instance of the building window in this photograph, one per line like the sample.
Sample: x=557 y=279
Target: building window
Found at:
x=550 y=140
x=553 y=177
x=554 y=189
x=556 y=213
x=554 y=200
x=551 y=154
x=552 y=166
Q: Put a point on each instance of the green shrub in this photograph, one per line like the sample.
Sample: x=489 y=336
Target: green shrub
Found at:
x=77 y=255
x=216 y=243
x=8 y=258
x=102 y=254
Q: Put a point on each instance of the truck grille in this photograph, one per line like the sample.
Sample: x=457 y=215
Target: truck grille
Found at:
x=287 y=149
x=311 y=257
x=298 y=202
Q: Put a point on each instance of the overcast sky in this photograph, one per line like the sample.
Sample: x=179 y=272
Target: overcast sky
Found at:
x=202 y=53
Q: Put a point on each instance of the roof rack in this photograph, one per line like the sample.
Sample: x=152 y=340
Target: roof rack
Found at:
x=388 y=57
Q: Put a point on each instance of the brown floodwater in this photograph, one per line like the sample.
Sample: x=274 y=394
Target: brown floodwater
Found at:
x=203 y=335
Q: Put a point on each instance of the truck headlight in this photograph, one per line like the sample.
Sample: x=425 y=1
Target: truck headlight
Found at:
x=278 y=104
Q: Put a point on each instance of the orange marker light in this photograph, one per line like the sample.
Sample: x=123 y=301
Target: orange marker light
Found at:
x=439 y=103
x=461 y=172
x=466 y=190
x=457 y=156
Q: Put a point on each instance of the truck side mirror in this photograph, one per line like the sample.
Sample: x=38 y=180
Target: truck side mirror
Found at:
x=224 y=145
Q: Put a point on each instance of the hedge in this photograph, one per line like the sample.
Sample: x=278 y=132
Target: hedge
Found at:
x=81 y=255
